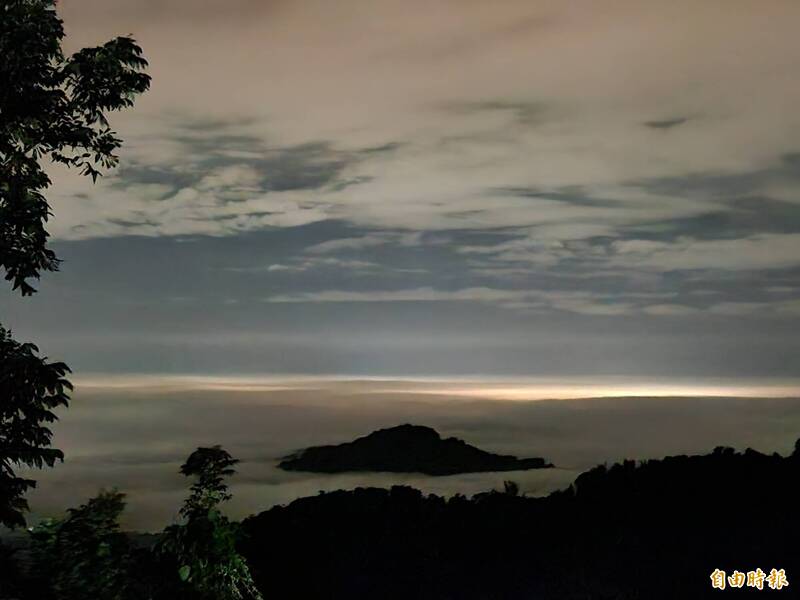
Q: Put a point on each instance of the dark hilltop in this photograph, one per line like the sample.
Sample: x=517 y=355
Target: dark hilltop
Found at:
x=406 y=449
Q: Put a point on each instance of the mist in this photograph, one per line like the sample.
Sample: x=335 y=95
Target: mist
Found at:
x=133 y=434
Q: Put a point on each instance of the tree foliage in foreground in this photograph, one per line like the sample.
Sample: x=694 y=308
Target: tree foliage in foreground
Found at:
x=85 y=555
x=204 y=545
x=11 y=582
x=30 y=389
x=53 y=109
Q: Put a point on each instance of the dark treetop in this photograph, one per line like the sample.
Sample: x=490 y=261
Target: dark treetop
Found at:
x=406 y=449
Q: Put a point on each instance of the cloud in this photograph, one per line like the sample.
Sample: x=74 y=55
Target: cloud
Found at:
x=666 y=123
x=520 y=113
x=769 y=251
x=357 y=243
x=736 y=309
x=417 y=125
x=578 y=302
x=411 y=295
x=307 y=264
x=112 y=437
x=210 y=180
x=739 y=309
x=544 y=158
x=670 y=310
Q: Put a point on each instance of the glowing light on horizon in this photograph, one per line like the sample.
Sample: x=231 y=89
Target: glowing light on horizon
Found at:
x=489 y=388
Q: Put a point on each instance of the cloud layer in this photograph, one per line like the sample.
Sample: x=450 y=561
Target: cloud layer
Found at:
x=583 y=160
x=135 y=435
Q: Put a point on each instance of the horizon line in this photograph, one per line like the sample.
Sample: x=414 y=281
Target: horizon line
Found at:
x=490 y=387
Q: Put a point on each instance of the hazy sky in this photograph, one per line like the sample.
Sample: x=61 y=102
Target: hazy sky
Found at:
x=554 y=198
x=438 y=187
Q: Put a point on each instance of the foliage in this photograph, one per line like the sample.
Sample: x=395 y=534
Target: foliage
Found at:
x=204 y=546
x=511 y=488
x=85 y=556
x=210 y=466
x=10 y=578
x=629 y=531
x=30 y=389
x=52 y=107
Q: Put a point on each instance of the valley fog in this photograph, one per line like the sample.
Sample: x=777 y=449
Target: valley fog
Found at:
x=134 y=437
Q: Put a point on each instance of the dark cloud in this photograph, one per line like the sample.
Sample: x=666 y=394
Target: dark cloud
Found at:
x=211 y=125
x=744 y=204
x=302 y=167
x=568 y=195
x=338 y=186
x=741 y=217
x=727 y=185
x=382 y=149
x=309 y=166
x=145 y=174
x=666 y=123
x=133 y=224
x=210 y=147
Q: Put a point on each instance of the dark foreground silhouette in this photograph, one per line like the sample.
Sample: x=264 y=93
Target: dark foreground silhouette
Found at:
x=650 y=530
x=406 y=449
x=657 y=529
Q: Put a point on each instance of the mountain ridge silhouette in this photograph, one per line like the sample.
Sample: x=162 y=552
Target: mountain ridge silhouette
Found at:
x=406 y=448
x=651 y=529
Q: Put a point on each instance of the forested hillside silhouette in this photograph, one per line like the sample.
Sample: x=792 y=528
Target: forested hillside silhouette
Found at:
x=655 y=529
x=406 y=449
x=650 y=530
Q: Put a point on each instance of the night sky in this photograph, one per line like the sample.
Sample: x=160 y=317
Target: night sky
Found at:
x=332 y=216
x=449 y=188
